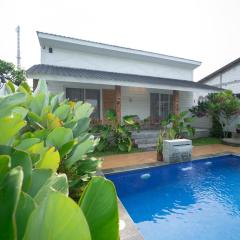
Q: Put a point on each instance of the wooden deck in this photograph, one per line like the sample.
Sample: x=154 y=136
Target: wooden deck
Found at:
x=141 y=158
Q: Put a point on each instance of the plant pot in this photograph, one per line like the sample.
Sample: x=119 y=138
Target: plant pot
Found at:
x=159 y=156
x=238 y=130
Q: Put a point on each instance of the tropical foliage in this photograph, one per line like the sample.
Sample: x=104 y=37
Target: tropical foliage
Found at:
x=222 y=106
x=52 y=130
x=174 y=127
x=8 y=72
x=34 y=143
x=116 y=135
x=179 y=125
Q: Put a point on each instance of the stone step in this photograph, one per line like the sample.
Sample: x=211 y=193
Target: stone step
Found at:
x=145 y=140
x=145 y=134
x=149 y=146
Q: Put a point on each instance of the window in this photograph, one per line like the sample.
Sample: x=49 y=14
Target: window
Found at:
x=91 y=96
x=160 y=106
x=50 y=50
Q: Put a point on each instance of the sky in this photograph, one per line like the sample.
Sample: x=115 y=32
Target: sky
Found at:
x=202 y=30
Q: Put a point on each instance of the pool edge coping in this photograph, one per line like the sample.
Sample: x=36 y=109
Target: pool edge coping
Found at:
x=130 y=231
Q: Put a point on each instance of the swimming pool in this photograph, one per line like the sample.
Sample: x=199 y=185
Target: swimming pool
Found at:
x=184 y=201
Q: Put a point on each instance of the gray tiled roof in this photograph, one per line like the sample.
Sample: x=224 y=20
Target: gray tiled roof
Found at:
x=120 y=77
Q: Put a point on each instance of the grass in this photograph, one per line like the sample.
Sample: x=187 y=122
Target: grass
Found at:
x=115 y=152
x=206 y=141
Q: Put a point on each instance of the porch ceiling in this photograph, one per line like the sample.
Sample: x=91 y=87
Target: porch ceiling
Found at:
x=57 y=73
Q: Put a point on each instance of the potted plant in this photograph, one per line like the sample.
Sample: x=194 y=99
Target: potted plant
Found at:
x=238 y=128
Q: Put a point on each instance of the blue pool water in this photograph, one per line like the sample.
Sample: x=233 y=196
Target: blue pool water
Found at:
x=197 y=200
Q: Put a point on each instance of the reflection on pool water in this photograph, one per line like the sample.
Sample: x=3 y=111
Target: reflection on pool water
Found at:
x=185 y=201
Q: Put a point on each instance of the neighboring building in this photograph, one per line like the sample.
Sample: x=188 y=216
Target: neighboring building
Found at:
x=227 y=77
x=131 y=81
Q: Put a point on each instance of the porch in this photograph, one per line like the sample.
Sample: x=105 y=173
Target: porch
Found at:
x=150 y=98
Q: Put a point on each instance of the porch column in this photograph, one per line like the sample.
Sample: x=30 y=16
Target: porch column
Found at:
x=118 y=102
x=35 y=83
x=175 y=101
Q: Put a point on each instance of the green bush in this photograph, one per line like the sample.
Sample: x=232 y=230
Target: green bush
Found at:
x=55 y=132
x=223 y=107
x=179 y=124
x=116 y=135
x=216 y=130
x=174 y=127
x=34 y=143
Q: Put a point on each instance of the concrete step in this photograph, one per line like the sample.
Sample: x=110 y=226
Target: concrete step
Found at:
x=151 y=140
x=148 y=147
x=145 y=134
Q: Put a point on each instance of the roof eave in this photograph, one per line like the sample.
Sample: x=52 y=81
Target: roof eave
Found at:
x=136 y=52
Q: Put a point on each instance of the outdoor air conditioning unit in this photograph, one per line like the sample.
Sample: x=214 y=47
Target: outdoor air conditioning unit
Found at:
x=177 y=150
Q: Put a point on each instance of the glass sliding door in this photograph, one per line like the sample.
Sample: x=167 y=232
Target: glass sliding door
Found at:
x=91 y=96
x=75 y=94
x=160 y=106
x=154 y=107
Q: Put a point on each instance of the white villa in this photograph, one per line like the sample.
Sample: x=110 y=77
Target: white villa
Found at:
x=130 y=81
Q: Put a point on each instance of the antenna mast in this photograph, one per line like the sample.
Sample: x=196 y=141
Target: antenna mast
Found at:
x=18 y=47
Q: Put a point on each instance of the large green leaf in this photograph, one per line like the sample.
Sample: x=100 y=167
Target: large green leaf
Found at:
x=10 y=189
x=51 y=160
x=24 y=144
x=41 y=88
x=82 y=126
x=21 y=111
x=38 y=103
x=9 y=127
x=66 y=148
x=24 y=87
x=57 y=218
x=55 y=99
x=82 y=110
x=19 y=158
x=101 y=210
x=62 y=111
x=5 y=163
x=9 y=86
x=39 y=178
x=59 y=136
x=57 y=182
x=11 y=101
x=81 y=149
x=24 y=209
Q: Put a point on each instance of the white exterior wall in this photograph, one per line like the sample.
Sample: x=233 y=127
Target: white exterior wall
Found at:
x=185 y=100
x=136 y=101
x=230 y=79
x=80 y=59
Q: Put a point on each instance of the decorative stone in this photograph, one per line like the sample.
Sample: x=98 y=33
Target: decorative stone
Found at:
x=177 y=150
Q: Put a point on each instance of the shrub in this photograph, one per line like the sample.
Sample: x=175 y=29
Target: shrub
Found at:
x=222 y=106
x=179 y=125
x=34 y=202
x=116 y=135
x=174 y=127
x=55 y=129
